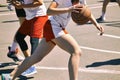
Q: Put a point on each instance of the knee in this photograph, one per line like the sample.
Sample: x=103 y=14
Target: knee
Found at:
x=78 y=52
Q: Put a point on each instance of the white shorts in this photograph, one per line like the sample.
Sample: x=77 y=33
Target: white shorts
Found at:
x=53 y=30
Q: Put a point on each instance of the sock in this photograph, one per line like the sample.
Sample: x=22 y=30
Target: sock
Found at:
x=103 y=15
x=14 y=46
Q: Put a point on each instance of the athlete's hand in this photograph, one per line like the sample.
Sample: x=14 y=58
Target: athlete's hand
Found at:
x=77 y=8
x=101 y=29
x=17 y=4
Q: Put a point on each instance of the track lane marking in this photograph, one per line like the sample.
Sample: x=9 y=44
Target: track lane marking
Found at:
x=100 y=50
x=88 y=70
x=111 y=36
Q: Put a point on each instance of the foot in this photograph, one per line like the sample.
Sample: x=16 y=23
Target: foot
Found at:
x=101 y=19
x=30 y=71
x=13 y=55
x=6 y=76
x=10 y=7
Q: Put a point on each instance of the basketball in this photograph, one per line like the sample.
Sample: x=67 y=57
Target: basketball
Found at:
x=81 y=17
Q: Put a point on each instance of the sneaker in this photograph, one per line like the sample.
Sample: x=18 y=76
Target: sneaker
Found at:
x=101 y=19
x=6 y=76
x=10 y=7
x=12 y=54
x=30 y=71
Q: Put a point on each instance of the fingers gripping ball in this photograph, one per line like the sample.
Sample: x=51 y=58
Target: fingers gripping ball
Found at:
x=81 y=17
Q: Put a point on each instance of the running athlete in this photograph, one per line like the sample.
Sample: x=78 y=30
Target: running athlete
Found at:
x=32 y=26
x=13 y=49
x=54 y=33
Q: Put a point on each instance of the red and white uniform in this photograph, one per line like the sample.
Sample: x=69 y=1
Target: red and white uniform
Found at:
x=34 y=12
x=58 y=22
x=35 y=21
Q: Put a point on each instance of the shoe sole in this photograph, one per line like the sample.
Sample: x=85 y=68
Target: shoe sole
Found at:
x=30 y=73
x=13 y=58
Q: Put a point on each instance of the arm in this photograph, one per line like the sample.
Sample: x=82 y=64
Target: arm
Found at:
x=35 y=3
x=53 y=10
x=93 y=20
x=99 y=27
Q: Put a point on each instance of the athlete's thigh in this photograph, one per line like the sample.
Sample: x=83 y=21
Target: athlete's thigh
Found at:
x=21 y=19
x=42 y=50
x=68 y=43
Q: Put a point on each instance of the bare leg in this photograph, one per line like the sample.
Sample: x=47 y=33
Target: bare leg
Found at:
x=14 y=46
x=21 y=19
x=42 y=50
x=105 y=3
x=104 y=6
x=67 y=43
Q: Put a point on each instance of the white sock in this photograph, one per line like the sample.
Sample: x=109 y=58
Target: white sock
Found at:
x=103 y=15
x=14 y=46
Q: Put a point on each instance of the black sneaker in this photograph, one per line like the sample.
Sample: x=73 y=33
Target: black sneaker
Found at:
x=12 y=54
x=100 y=20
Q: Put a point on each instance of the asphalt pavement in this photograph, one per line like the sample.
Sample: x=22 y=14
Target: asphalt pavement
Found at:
x=101 y=54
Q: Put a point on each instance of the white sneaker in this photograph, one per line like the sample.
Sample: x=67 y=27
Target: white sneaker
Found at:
x=6 y=76
x=30 y=71
x=21 y=58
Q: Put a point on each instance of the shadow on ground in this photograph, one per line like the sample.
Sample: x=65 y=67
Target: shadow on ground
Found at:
x=2 y=65
x=109 y=62
x=5 y=11
x=109 y=23
x=113 y=23
x=10 y=21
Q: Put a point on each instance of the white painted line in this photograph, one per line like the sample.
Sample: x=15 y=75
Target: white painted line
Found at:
x=4 y=14
x=88 y=70
x=100 y=50
x=111 y=36
x=93 y=70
